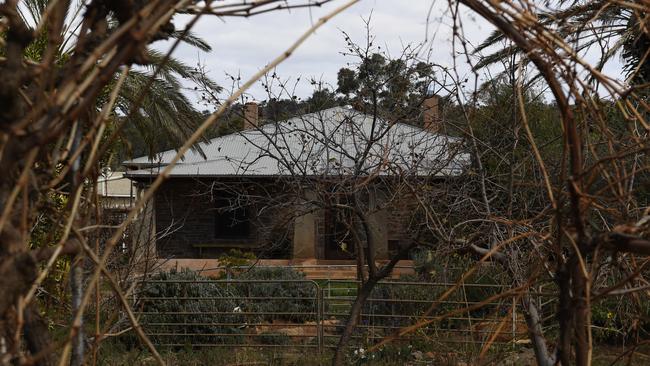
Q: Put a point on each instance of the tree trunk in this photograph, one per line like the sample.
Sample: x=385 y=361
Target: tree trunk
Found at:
x=76 y=288
x=357 y=306
x=536 y=333
x=564 y=316
x=76 y=268
x=37 y=337
x=355 y=312
x=581 y=316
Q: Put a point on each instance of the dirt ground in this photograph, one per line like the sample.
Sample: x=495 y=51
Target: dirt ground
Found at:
x=603 y=355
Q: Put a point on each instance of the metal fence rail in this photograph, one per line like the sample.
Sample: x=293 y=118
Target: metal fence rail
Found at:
x=258 y=313
x=394 y=305
x=235 y=317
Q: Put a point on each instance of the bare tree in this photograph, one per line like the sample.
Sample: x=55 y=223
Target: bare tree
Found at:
x=587 y=207
x=588 y=232
x=350 y=168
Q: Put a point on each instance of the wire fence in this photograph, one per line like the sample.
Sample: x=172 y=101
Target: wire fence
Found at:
x=308 y=314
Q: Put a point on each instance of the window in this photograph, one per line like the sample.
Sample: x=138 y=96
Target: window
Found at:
x=231 y=218
x=394 y=247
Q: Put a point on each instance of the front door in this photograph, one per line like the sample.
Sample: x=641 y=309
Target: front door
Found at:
x=339 y=240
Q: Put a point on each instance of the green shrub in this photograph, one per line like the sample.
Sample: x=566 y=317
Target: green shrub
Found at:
x=180 y=309
x=185 y=308
x=397 y=305
x=273 y=338
x=607 y=325
x=487 y=280
x=234 y=259
x=404 y=302
x=617 y=319
x=297 y=299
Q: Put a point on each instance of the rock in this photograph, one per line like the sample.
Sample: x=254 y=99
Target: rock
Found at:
x=418 y=355
x=524 y=357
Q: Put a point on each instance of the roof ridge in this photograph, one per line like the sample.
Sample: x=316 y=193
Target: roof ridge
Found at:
x=162 y=157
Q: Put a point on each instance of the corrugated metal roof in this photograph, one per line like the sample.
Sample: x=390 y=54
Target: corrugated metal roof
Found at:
x=335 y=141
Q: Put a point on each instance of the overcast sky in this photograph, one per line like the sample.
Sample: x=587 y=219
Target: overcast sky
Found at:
x=243 y=46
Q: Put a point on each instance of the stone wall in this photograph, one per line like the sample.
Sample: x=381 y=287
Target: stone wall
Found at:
x=185 y=223
x=186 y=217
x=401 y=217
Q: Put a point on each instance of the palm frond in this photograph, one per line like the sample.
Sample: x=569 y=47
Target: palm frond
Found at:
x=164 y=119
x=174 y=67
x=192 y=39
x=497 y=56
x=34 y=10
x=494 y=38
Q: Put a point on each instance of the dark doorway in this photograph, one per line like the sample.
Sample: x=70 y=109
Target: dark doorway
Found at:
x=339 y=239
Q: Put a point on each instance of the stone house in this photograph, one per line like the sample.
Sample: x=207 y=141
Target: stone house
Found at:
x=271 y=188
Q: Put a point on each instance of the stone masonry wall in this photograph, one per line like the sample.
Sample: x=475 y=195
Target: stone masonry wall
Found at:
x=185 y=220
x=185 y=223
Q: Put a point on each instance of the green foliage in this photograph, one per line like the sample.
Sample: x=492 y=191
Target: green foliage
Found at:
x=165 y=118
x=236 y=258
x=409 y=300
x=158 y=114
x=622 y=29
x=619 y=319
x=399 y=305
x=347 y=81
x=487 y=280
x=230 y=126
x=47 y=232
x=273 y=338
x=635 y=49
x=299 y=304
x=606 y=322
x=497 y=123
x=174 y=303
x=184 y=307
x=395 y=87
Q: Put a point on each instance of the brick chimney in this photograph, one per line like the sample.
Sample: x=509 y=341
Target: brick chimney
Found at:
x=251 y=116
x=431 y=114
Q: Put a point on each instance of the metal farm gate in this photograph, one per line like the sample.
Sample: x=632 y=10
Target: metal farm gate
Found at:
x=254 y=313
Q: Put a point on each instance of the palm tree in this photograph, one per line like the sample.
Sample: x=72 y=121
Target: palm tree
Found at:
x=616 y=27
x=156 y=113
x=165 y=118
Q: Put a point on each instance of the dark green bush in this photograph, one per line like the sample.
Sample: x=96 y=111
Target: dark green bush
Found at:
x=273 y=338
x=607 y=322
x=619 y=319
x=297 y=299
x=404 y=302
x=487 y=280
x=397 y=305
x=182 y=308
